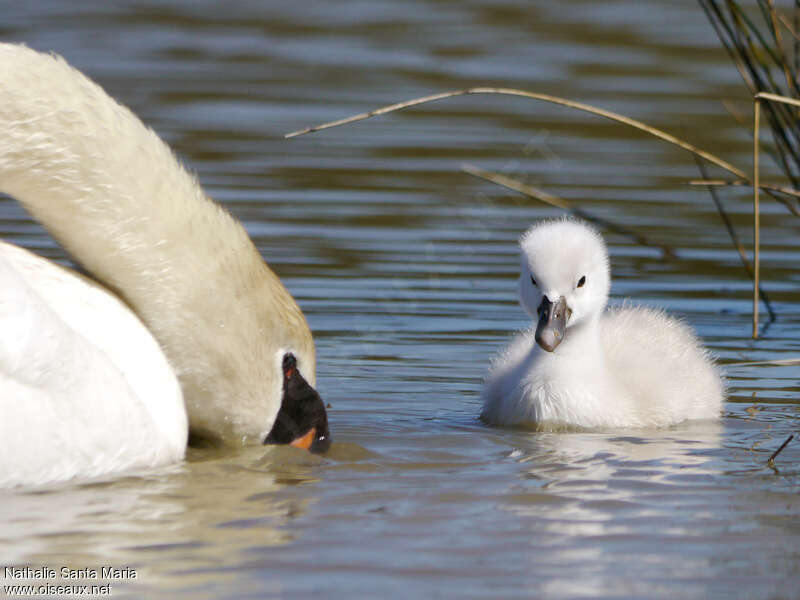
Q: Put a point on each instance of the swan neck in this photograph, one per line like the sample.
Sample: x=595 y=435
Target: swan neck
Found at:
x=583 y=337
x=115 y=197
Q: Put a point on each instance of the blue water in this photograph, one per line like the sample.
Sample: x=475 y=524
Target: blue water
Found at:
x=405 y=267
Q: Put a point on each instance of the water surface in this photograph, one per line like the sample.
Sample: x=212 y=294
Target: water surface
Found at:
x=405 y=267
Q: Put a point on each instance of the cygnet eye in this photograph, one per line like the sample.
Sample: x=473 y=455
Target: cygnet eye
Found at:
x=533 y=281
x=581 y=281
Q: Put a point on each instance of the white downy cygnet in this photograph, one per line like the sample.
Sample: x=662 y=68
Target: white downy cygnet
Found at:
x=584 y=366
x=88 y=373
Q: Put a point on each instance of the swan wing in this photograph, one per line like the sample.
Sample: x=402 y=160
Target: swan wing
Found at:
x=84 y=388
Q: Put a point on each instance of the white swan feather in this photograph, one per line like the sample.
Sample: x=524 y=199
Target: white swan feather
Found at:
x=115 y=197
x=84 y=388
x=625 y=367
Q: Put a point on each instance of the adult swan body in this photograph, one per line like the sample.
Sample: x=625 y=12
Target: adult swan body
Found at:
x=115 y=197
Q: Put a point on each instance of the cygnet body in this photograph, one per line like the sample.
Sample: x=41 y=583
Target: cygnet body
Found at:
x=584 y=366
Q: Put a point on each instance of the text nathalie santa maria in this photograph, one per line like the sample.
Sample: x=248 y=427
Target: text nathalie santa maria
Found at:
x=105 y=573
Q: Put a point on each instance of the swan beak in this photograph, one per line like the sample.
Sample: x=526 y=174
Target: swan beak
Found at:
x=552 y=325
x=302 y=421
x=305 y=442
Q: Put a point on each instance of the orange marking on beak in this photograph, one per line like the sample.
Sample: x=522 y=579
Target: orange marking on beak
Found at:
x=289 y=373
x=306 y=440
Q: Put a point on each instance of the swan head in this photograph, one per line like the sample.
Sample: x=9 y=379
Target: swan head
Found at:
x=302 y=421
x=564 y=277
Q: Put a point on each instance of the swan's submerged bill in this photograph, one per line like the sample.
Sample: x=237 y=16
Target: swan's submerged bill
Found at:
x=302 y=420
x=115 y=197
x=583 y=366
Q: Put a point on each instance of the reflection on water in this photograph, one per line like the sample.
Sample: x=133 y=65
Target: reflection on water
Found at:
x=406 y=270
x=180 y=515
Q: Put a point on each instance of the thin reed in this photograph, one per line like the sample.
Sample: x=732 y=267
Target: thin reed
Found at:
x=667 y=137
x=547 y=198
x=543 y=196
x=768 y=63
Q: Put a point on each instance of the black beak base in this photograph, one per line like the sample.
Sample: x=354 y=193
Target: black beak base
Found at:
x=302 y=414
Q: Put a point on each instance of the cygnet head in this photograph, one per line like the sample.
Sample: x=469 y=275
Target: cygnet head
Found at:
x=564 y=277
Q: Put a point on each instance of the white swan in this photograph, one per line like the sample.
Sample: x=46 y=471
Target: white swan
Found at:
x=114 y=196
x=581 y=366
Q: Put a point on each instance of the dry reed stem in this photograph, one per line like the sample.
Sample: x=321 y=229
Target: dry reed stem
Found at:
x=735 y=113
x=756 y=187
x=535 y=96
x=564 y=102
x=732 y=182
x=745 y=123
x=776 y=33
x=541 y=195
x=782 y=446
x=789 y=27
x=767 y=187
x=518 y=186
x=756 y=57
x=602 y=113
x=778 y=98
x=735 y=240
x=756 y=215
x=719 y=24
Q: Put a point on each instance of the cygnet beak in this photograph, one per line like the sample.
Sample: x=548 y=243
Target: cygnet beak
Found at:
x=552 y=325
x=302 y=421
